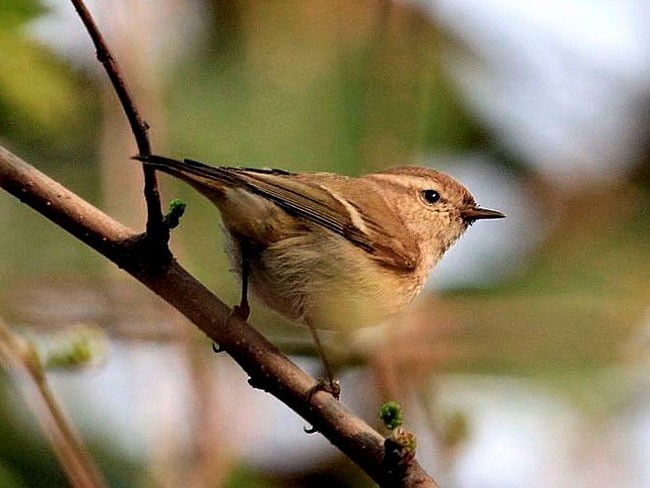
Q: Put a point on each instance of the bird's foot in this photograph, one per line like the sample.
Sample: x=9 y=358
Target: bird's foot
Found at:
x=241 y=311
x=331 y=386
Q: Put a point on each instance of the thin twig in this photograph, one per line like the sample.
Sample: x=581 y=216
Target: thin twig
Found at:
x=139 y=127
x=22 y=360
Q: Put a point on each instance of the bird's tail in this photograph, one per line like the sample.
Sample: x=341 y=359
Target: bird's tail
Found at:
x=206 y=179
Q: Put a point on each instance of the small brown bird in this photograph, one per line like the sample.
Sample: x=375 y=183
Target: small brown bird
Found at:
x=331 y=251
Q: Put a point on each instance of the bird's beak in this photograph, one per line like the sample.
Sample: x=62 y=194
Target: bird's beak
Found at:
x=477 y=213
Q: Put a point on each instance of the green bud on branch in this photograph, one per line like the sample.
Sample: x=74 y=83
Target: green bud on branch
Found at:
x=391 y=415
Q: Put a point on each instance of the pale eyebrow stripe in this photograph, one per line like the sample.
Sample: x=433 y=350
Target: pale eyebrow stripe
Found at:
x=397 y=180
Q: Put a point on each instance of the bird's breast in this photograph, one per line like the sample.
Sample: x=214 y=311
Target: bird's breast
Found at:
x=321 y=279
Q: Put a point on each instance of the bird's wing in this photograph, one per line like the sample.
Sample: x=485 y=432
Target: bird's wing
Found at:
x=315 y=198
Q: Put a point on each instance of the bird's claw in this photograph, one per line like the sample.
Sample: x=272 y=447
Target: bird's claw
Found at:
x=238 y=311
x=310 y=430
x=332 y=386
x=241 y=311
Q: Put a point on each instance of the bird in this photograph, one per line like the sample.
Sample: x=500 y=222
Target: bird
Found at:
x=330 y=251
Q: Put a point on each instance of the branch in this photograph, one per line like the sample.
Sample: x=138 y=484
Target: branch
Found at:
x=267 y=367
x=139 y=127
x=22 y=360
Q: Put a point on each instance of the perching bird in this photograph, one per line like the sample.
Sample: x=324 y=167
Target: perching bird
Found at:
x=331 y=251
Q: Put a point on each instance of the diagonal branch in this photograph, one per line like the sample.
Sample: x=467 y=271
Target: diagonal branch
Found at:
x=267 y=367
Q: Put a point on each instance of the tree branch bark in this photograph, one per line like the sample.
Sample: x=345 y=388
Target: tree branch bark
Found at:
x=267 y=367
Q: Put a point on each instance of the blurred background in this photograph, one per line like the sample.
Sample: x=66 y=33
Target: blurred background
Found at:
x=525 y=362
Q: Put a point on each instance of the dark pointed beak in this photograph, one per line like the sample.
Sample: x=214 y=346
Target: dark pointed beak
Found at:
x=477 y=213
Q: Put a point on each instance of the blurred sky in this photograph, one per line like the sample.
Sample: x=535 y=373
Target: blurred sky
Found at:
x=565 y=83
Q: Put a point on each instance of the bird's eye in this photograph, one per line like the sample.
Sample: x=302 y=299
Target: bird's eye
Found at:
x=430 y=196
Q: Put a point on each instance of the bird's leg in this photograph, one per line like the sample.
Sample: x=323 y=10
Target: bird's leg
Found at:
x=331 y=385
x=243 y=309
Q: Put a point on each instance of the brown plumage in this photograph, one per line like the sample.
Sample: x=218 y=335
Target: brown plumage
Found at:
x=331 y=251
